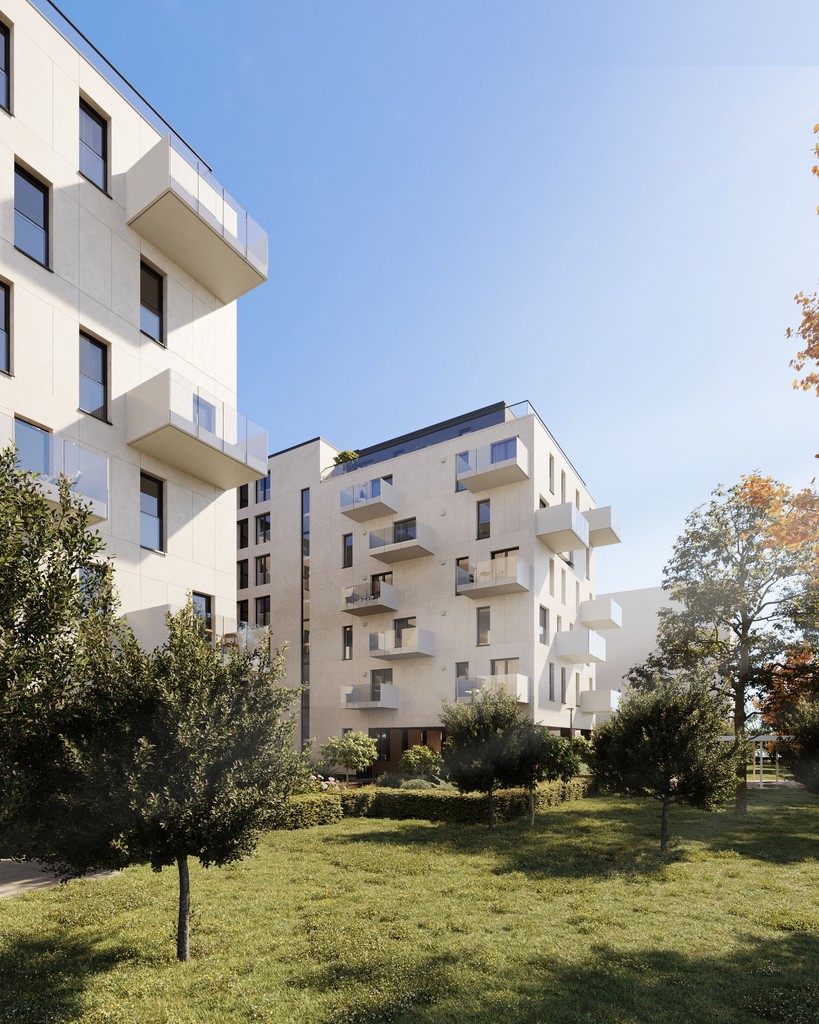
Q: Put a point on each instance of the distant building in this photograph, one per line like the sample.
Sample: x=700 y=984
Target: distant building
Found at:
x=638 y=637
x=455 y=557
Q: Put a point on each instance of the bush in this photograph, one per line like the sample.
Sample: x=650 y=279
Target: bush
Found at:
x=418 y=784
x=356 y=802
x=421 y=761
x=309 y=809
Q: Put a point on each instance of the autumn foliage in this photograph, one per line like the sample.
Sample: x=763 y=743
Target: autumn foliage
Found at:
x=792 y=517
x=808 y=330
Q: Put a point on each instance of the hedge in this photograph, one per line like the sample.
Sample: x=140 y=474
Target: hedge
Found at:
x=310 y=809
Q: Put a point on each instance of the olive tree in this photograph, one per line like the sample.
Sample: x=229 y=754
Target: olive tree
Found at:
x=354 y=752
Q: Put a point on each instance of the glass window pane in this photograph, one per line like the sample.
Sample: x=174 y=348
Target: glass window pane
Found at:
x=33 y=447
x=92 y=359
x=92 y=397
x=30 y=199
x=5 y=347
x=4 y=67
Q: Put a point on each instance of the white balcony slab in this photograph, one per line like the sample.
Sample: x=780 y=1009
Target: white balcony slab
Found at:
x=493 y=465
x=603 y=527
x=599 y=702
x=361 y=600
x=494 y=577
x=369 y=500
x=562 y=528
x=580 y=646
x=369 y=698
x=513 y=682
x=601 y=613
x=384 y=546
x=394 y=645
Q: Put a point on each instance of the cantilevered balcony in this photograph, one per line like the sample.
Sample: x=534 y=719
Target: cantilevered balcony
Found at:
x=601 y=613
x=367 y=599
x=492 y=465
x=370 y=696
x=603 y=527
x=402 y=643
x=562 y=528
x=407 y=539
x=174 y=202
x=580 y=646
x=513 y=682
x=173 y=420
x=369 y=500
x=494 y=576
x=53 y=456
x=599 y=702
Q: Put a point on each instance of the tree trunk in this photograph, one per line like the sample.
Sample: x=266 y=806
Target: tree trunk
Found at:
x=664 y=827
x=490 y=809
x=741 y=801
x=531 y=806
x=183 y=951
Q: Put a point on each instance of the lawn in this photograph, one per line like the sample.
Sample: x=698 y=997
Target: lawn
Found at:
x=392 y=921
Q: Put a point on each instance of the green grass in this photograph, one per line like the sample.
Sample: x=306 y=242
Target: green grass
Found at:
x=576 y=922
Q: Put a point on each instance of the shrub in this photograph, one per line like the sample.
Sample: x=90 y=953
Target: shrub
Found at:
x=311 y=809
x=421 y=761
x=418 y=784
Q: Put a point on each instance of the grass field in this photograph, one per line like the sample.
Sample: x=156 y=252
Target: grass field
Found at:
x=383 y=921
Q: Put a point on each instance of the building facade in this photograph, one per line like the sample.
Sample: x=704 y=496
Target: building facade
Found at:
x=459 y=556
x=121 y=258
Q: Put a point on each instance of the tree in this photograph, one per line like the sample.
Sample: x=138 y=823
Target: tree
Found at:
x=354 y=751
x=664 y=743
x=422 y=761
x=537 y=756
x=478 y=751
x=737 y=591
x=801 y=751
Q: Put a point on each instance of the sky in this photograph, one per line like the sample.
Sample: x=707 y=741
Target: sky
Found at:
x=603 y=207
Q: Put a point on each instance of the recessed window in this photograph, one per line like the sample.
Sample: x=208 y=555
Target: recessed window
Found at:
x=5 y=67
x=505 y=666
x=5 y=328
x=377 y=579
x=263 y=611
x=151 y=312
x=404 y=530
x=241 y=534
x=262 y=570
x=551 y=681
x=562 y=684
x=241 y=575
x=503 y=451
x=346 y=643
x=30 y=216
x=93 y=377
x=203 y=609
x=483 y=519
x=151 y=532
x=34 y=449
x=243 y=496
x=263 y=489
x=543 y=626
x=482 y=615
x=263 y=528
x=241 y=612
x=379 y=677
x=562 y=488
x=93 y=146
x=346 y=551
x=551 y=474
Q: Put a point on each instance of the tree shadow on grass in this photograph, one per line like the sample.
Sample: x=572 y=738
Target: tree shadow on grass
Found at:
x=43 y=979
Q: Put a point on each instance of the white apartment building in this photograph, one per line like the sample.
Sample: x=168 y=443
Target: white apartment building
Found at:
x=459 y=556
x=121 y=258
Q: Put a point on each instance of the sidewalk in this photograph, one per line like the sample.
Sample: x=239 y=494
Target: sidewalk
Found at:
x=19 y=878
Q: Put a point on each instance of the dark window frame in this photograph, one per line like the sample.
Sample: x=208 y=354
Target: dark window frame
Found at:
x=487 y=642
x=263 y=489
x=243 y=497
x=98 y=118
x=259 y=573
x=102 y=414
x=242 y=611
x=483 y=528
x=242 y=574
x=206 y=618
x=5 y=329
x=5 y=70
x=152 y=273
x=40 y=186
x=347 y=643
x=263 y=535
x=160 y=498
x=346 y=551
x=262 y=603
x=242 y=534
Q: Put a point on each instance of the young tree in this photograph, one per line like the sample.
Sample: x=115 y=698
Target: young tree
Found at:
x=422 y=761
x=354 y=751
x=801 y=751
x=478 y=751
x=735 y=590
x=664 y=743
x=537 y=756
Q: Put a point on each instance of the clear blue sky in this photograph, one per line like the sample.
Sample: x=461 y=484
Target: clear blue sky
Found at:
x=602 y=207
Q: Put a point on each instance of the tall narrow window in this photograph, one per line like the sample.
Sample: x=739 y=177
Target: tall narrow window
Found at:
x=346 y=551
x=404 y=631
x=151 y=312
x=588 y=563
x=243 y=496
x=482 y=615
x=263 y=528
x=346 y=643
x=241 y=575
x=551 y=577
x=576 y=689
x=203 y=609
x=241 y=534
x=262 y=570
x=377 y=579
x=263 y=611
x=379 y=677
x=263 y=489
x=93 y=377
x=241 y=612
x=5 y=329
x=151 y=526
x=562 y=684
x=93 y=146
x=562 y=586
x=33 y=448
x=551 y=474
x=483 y=519
x=5 y=67
x=30 y=216
x=562 y=487
x=577 y=500
x=543 y=626
x=551 y=681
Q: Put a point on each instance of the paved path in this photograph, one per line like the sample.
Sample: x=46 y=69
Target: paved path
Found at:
x=19 y=878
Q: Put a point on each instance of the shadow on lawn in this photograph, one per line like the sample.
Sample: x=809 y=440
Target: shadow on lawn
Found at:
x=42 y=980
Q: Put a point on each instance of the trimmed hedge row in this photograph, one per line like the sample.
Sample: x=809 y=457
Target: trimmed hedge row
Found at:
x=310 y=809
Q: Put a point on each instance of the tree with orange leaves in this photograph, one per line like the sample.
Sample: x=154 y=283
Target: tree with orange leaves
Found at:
x=808 y=330
x=791 y=517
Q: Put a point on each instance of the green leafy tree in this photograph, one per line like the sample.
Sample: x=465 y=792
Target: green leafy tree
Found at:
x=536 y=756
x=800 y=751
x=665 y=743
x=354 y=751
x=421 y=761
x=478 y=753
x=737 y=594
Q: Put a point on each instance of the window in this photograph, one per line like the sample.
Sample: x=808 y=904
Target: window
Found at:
x=93 y=377
x=30 y=216
x=382 y=740
x=562 y=684
x=93 y=146
x=588 y=563
x=262 y=570
x=379 y=677
x=551 y=577
x=559 y=626
x=5 y=67
x=404 y=631
x=5 y=332
x=461 y=462
x=203 y=609
x=243 y=496
x=577 y=688
x=483 y=519
x=462 y=670
x=241 y=611
x=346 y=643
x=33 y=448
x=151 y=313
x=551 y=474
x=562 y=488
x=562 y=586
x=543 y=626
x=241 y=534
x=151 y=532
x=263 y=611
x=505 y=666
x=551 y=681
x=204 y=414
x=577 y=597
x=502 y=451
x=577 y=500
x=346 y=551
x=377 y=579
x=263 y=528
x=404 y=530
x=241 y=575
x=263 y=489
x=463 y=573
x=482 y=615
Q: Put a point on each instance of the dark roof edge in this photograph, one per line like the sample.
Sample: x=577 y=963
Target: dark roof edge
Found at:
x=413 y=435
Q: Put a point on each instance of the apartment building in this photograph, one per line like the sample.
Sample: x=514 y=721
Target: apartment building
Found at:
x=121 y=259
x=458 y=556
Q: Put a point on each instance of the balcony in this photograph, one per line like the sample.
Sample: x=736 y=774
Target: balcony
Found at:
x=370 y=697
x=52 y=456
x=502 y=462
x=395 y=644
x=402 y=541
x=580 y=646
x=369 y=500
x=603 y=527
x=368 y=600
x=174 y=202
x=599 y=702
x=173 y=420
x=514 y=683
x=601 y=613
x=494 y=576
x=562 y=528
